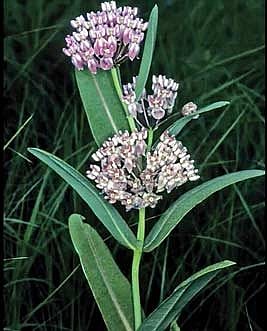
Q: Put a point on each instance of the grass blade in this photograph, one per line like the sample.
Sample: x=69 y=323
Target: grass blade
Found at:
x=175 y=213
x=148 y=53
x=110 y=288
x=18 y=132
x=106 y=213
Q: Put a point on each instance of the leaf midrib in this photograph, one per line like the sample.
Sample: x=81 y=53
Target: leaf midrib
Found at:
x=109 y=289
x=105 y=106
x=170 y=307
x=183 y=198
x=86 y=186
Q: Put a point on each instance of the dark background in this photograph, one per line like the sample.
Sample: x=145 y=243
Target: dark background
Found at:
x=214 y=49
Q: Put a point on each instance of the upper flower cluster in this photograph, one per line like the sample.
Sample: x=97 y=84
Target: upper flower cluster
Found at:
x=128 y=173
x=105 y=38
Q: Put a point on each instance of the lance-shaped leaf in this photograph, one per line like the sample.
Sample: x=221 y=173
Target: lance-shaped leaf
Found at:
x=104 y=110
x=177 y=126
x=105 y=212
x=171 y=307
x=147 y=53
x=110 y=287
x=175 y=213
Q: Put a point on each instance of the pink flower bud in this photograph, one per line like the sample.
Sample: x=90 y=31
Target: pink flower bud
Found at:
x=106 y=63
x=133 y=51
x=83 y=34
x=99 y=46
x=66 y=51
x=85 y=45
x=77 y=61
x=92 y=66
x=74 y=24
x=76 y=36
x=135 y=11
x=126 y=36
x=144 y=26
x=92 y=34
x=112 y=44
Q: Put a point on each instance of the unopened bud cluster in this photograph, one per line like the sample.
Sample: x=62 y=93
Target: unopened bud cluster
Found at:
x=131 y=175
x=105 y=38
x=189 y=109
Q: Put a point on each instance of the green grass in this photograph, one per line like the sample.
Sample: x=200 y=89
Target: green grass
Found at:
x=215 y=50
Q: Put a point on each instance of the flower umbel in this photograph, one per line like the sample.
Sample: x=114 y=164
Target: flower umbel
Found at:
x=105 y=38
x=151 y=108
x=128 y=173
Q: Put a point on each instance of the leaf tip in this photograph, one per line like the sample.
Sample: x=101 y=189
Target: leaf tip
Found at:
x=76 y=217
x=228 y=263
x=32 y=150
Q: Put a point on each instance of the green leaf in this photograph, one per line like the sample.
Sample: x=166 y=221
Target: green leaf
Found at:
x=171 y=307
x=175 y=213
x=148 y=52
x=104 y=110
x=177 y=126
x=110 y=287
x=106 y=213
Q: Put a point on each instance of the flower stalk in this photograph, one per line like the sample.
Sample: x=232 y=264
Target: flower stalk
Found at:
x=117 y=84
x=135 y=269
x=150 y=139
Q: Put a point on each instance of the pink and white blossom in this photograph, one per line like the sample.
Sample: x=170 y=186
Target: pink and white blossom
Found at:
x=105 y=38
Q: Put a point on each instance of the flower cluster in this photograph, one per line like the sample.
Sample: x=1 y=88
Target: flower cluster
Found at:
x=130 y=174
x=105 y=38
x=151 y=107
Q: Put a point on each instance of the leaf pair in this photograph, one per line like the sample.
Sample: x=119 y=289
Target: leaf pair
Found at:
x=112 y=290
x=111 y=218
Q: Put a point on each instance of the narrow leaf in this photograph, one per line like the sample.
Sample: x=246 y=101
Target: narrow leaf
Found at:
x=104 y=110
x=177 y=126
x=171 y=307
x=110 y=288
x=175 y=213
x=106 y=213
x=147 y=53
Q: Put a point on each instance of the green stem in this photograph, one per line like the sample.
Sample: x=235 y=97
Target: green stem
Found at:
x=150 y=139
x=117 y=84
x=135 y=269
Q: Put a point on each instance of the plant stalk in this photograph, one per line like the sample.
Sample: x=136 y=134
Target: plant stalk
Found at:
x=117 y=84
x=135 y=269
x=150 y=139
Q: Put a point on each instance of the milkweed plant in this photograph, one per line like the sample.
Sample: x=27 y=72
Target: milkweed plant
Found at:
x=136 y=164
